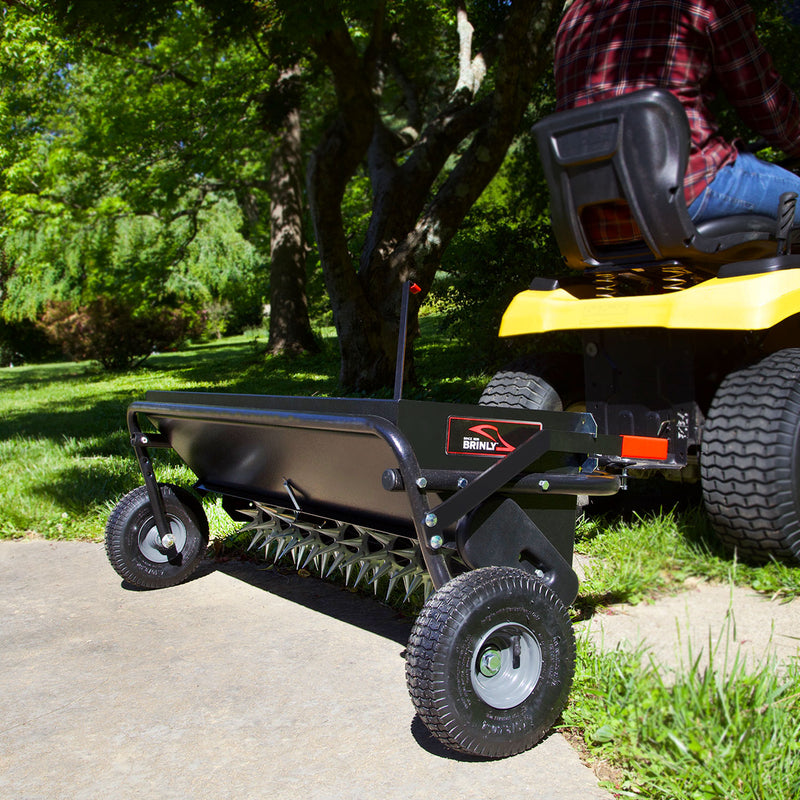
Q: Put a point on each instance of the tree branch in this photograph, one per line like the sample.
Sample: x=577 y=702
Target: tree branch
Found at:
x=142 y=62
x=525 y=44
x=20 y=5
x=471 y=71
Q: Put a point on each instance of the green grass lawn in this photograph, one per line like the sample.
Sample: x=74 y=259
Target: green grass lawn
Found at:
x=64 y=452
x=65 y=460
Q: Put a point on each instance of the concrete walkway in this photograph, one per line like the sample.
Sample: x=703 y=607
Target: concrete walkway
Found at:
x=705 y=622
x=241 y=683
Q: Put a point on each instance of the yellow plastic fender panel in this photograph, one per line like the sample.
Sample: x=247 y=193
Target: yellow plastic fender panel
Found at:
x=748 y=303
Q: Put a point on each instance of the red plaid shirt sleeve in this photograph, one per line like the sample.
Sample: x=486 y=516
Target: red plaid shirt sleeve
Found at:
x=693 y=48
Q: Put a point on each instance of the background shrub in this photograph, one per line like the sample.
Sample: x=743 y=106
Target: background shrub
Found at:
x=109 y=331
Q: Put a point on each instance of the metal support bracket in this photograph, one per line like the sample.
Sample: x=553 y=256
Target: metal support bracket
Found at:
x=140 y=443
x=492 y=480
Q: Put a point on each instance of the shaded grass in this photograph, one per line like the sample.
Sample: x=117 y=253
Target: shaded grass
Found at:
x=65 y=458
x=638 y=557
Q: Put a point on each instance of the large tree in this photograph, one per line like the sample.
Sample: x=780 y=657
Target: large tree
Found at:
x=425 y=97
x=428 y=162
x=155 y=133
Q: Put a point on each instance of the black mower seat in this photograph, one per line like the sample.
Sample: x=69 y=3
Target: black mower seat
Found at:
x=633 y=150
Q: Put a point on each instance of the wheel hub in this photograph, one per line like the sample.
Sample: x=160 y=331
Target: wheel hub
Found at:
x=507 y=665
x=156 y=549
x=490 y=662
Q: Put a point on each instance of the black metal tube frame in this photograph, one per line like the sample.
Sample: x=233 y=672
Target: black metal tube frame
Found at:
x=429 y=522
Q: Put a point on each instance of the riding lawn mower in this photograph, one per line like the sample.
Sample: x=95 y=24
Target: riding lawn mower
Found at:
x=691 y=351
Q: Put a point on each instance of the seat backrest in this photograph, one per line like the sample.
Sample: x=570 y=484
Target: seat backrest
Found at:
x=633 y=150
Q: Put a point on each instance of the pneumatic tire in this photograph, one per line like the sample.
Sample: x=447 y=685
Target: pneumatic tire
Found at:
x=490 y=662
x=516 y=388
x=750 y=459
x=543 y=382
x=134 y=547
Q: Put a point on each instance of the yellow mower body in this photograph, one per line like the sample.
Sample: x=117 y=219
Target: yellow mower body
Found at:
x=746 y=303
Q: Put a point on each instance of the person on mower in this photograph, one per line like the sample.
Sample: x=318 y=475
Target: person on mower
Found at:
x=694 y=49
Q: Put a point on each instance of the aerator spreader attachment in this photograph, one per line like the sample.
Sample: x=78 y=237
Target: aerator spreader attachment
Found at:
x=474 y=506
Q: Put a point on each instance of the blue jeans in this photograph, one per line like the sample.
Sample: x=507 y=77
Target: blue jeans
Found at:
x=748 y=186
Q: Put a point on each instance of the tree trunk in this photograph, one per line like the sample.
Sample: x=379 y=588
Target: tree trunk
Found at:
x=289 y=324
x=413 y=221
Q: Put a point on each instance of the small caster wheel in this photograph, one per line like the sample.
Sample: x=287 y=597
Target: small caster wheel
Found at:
x=135 y=548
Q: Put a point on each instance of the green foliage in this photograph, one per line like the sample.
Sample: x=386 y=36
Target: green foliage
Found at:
x=115 y=178
x=497 y=252
x=703 y=733
x=106 y=330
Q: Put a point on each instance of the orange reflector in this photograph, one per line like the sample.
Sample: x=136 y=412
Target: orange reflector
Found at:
x=644 y=447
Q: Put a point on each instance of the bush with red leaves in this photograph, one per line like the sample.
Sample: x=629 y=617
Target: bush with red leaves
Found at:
x=108 y=331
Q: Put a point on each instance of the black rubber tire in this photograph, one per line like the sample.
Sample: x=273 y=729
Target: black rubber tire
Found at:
x=516 y=388
x=130 y=533
x=543 y=382
x=750 y=459
x=442 y=661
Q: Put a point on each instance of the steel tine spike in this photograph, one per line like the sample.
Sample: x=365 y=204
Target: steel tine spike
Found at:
x=255 y=525
x=362 y=571
x=380 y=571
x=393 y=578
x=413 y=584
x=269 y=538
x=256 y=540
x=347 y=571
x=288 y=543
x=313 y=553
x=329 y=548
x=337 y=563
x=298 y=551
x=353 y=558
x=322 y=562
x=406 y=571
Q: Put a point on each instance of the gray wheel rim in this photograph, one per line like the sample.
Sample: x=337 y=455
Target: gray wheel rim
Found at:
x=506 y=665
x=150 y=542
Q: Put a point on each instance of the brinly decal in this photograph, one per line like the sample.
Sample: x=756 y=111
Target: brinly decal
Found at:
x=486 y=437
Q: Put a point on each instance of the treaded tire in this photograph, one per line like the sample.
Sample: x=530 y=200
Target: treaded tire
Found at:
x=131 y=543
x=543 y=382
x=515 y=388
x=750 y=459
x=455 y=700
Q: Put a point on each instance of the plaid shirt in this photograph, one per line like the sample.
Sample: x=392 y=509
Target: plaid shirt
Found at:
x=693 y=48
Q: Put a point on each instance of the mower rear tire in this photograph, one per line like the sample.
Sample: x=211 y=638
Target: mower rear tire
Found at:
x=750 y=459
x=542 y=382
